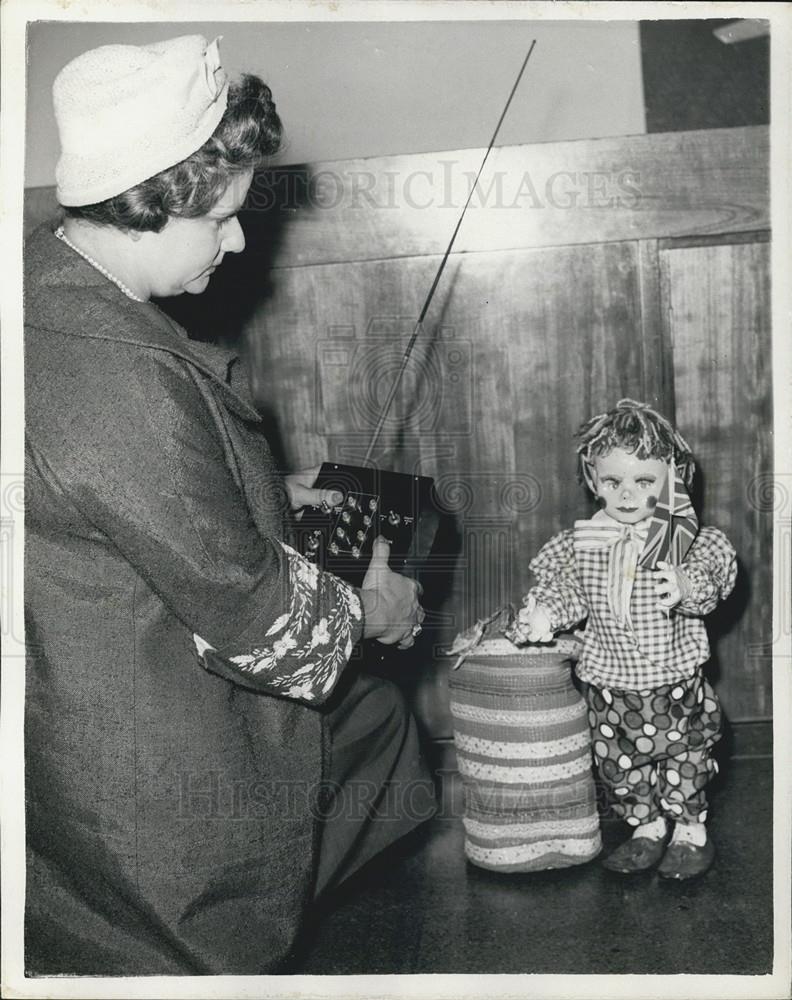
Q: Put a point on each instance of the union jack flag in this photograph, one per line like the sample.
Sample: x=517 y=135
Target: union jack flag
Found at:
x=673 y=527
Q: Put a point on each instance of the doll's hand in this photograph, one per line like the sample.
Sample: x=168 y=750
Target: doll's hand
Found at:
x=671 y=585
x=533 y=622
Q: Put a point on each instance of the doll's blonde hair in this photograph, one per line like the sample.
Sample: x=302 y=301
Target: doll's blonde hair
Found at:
x=639 y=430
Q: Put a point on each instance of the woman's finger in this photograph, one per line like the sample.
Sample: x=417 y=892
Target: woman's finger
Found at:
x=300 y=486
x=380 y=553
x=329 y=498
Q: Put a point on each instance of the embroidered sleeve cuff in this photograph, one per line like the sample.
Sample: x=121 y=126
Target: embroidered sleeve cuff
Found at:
x=304 y=651
x=702 y=593
x=711 y=569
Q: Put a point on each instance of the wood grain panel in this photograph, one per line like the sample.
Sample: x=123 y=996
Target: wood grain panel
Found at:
x=656 y=347
x=549 y=194
x=717 y=307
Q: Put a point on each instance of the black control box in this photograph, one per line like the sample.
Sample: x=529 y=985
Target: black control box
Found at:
x=396 y=505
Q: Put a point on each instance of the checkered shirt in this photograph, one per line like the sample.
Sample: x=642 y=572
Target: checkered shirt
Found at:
x=656 y=647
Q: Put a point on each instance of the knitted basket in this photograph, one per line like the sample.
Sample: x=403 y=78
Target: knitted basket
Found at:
x=524 y=753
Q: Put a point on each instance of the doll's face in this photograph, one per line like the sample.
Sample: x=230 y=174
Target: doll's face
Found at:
x=628 y=487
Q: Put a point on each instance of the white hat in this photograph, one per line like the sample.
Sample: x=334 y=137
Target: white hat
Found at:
x=126 y=112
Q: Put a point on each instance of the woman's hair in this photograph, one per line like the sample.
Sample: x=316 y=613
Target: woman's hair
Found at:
x=637 y=429
x=249 y=132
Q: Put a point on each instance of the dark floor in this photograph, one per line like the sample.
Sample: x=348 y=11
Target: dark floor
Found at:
x=423 y=909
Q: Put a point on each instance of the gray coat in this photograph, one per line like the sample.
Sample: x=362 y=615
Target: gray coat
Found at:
x=169 y=826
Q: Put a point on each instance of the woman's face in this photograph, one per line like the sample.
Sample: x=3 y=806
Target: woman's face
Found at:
x=183 y=256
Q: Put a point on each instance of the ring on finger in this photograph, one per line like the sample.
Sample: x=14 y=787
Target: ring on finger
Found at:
x=416 y=631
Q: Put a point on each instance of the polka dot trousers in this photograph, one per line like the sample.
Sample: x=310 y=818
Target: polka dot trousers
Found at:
x=652 y=748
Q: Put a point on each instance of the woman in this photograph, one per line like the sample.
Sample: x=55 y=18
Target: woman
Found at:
x=196 y=739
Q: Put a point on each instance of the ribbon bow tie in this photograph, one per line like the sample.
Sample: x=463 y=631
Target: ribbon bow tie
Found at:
x=600 y=533
x=626 y=542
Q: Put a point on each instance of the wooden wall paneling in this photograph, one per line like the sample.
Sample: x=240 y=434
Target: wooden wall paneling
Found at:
x=334 y=334
x=717 y=307
x=547 y=194
x=656 y=347
x=715 y=239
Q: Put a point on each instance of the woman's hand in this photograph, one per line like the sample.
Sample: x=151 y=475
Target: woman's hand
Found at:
x=671 y=585
x=299 y=486
x=390 y=601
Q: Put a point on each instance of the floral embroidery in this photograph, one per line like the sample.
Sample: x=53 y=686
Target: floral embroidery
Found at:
x=320 y=634
x=311 y=642
x=282 y=646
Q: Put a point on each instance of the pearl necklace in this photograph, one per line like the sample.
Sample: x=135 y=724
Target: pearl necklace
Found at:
x=102 y=270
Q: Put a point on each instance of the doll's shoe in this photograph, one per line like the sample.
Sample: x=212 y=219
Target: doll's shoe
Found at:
x=683 y=861
x=638 y=854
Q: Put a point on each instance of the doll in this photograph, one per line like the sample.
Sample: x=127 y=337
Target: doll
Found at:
x=643 y=575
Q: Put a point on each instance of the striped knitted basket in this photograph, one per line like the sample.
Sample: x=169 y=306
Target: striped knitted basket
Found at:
x=524 y=753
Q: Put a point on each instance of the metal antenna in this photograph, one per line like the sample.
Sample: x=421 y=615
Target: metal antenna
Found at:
x=416 y=330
